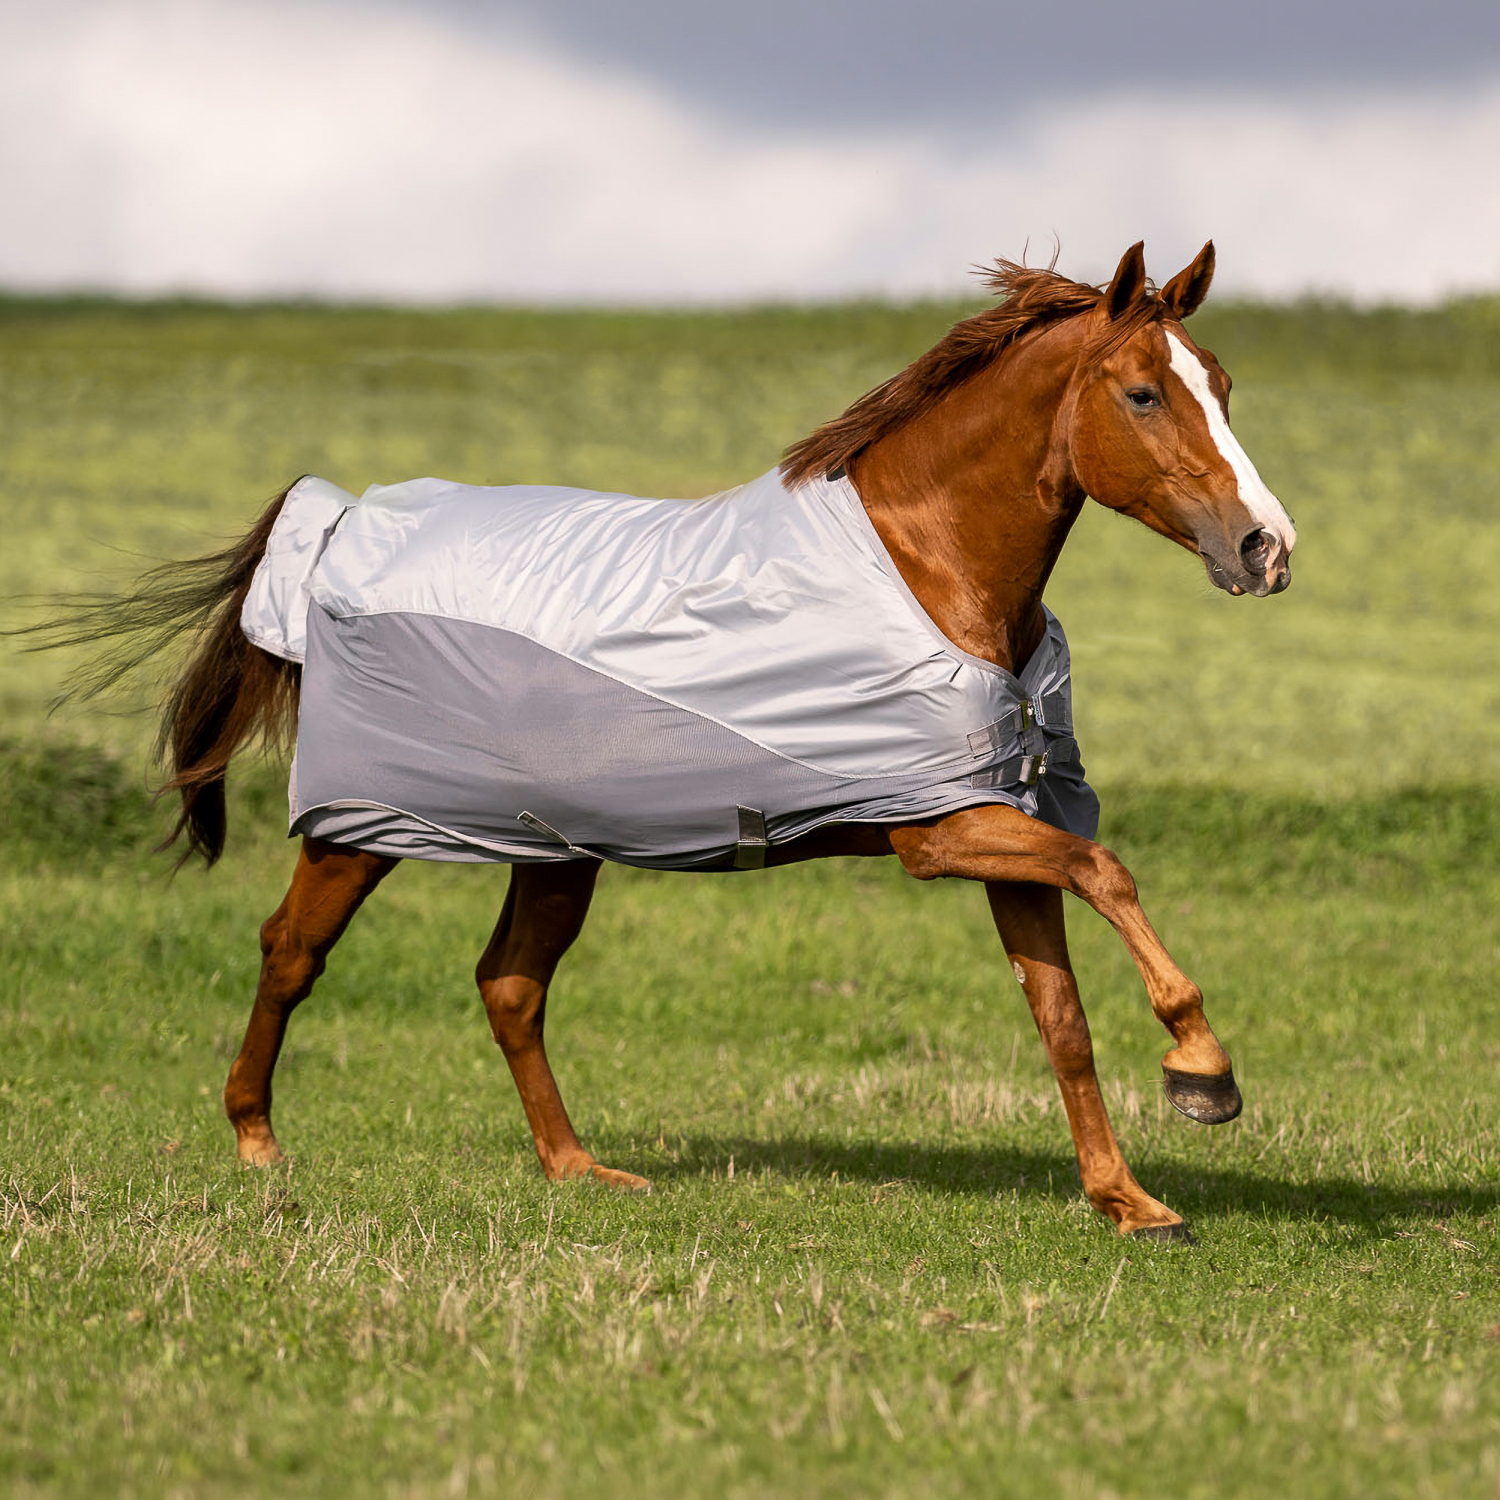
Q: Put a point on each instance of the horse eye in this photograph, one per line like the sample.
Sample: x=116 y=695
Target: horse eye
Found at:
x=1143 y=396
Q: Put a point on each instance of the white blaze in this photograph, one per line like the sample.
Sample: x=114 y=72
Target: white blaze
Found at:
x=1263 y=506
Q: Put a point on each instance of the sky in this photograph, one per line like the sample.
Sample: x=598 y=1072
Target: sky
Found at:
x=692 y=151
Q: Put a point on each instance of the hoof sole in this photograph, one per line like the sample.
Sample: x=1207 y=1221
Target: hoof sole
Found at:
x=1164 y=1234
x=1208 y=1098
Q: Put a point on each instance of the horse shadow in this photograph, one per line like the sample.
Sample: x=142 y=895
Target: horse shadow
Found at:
x=1202 y=1194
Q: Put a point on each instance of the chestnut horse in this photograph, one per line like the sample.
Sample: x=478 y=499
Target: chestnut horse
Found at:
x=972 y=464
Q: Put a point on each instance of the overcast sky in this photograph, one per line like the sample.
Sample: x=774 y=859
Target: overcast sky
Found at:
x=685 y=150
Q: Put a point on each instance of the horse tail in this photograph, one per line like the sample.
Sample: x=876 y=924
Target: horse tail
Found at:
x=229 y=692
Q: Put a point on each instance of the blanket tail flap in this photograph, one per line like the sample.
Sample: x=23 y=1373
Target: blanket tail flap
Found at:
x=274 y=616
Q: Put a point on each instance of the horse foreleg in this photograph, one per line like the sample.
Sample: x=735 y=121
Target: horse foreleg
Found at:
x=543 y=913
x=327 y=887
x=1029 y=919
x=1001 y=843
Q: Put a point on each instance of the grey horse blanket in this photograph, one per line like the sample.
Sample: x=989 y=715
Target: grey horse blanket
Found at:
x=530 y=673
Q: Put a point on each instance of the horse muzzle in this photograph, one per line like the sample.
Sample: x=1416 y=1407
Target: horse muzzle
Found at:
x=1260 y=565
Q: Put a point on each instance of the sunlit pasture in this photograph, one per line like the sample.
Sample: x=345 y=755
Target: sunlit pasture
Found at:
x=866 y=1267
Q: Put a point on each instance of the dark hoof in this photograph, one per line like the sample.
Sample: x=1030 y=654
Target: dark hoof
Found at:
x=1164 y=1234
x=1208 y=1098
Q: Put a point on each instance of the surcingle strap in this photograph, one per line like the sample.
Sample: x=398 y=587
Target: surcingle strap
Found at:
x=1039 y=728
x=750 y=851
x=1049 y=710
x=1027 y=770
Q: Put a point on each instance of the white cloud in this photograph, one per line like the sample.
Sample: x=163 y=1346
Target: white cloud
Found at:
x=342 y=150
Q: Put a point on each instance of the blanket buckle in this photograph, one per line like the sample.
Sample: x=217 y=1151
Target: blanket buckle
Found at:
x=1033 y=768
x=750 y=850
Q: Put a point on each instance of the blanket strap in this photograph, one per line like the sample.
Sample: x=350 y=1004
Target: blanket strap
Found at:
x=1027 y=770
x=1049 y=710
x=750 y=851
x=537 y=826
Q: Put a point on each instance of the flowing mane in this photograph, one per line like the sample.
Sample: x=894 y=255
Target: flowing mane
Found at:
x=1032 y=298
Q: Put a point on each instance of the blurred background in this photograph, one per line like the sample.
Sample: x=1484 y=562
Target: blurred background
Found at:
x=671 y=151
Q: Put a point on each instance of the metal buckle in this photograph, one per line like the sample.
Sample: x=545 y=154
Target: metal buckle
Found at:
x=750 y=849
x=1033 y=768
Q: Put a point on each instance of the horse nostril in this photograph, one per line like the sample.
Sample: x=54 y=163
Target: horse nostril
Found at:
x=1255 y=551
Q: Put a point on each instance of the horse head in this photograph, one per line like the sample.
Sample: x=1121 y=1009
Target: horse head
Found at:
x=1150 y=437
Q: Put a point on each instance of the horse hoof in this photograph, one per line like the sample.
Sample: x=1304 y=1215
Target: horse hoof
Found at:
x=624 y=1182
x=259 y=1151
x=1164 y=1234
x=1208 y=1098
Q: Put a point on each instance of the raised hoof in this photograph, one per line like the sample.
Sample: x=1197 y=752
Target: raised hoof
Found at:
x=1164 y=1234
x=1208 y=1098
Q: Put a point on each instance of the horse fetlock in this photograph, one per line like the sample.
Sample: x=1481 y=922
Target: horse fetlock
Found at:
x=242 y=1103
x=1180 y=1010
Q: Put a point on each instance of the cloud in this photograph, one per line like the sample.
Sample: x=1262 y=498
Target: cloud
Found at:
x=342 y=150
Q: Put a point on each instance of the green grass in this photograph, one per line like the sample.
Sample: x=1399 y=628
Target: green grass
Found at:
x=866 y=1267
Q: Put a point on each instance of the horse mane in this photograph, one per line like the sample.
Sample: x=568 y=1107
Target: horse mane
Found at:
x=1032 y=297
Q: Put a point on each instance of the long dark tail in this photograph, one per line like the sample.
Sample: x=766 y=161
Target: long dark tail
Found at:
x=229 y=693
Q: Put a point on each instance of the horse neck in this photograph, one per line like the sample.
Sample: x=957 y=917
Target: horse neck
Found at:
x=974 y=499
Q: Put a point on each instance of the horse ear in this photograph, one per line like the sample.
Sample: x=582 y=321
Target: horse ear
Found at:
x=1185 y=292
x=1129 y=281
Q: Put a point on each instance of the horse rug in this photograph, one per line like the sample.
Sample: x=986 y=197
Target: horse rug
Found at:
x=530 y=673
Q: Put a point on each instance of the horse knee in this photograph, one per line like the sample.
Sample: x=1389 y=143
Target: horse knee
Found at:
x=1185 y=1003
x=1101 y=878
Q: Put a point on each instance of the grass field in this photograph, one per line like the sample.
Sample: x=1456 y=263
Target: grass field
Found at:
x=867 y=1268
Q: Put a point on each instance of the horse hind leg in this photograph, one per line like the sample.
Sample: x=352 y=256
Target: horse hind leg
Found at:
x=543 y=913
x=328 y=885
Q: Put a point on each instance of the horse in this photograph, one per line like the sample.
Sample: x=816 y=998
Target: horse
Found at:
x=971 y=466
